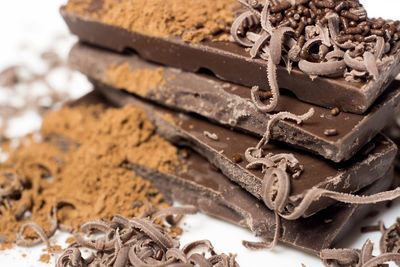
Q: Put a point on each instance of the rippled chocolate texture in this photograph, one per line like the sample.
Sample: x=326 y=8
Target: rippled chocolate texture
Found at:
x=231 y=62
x=182 y=129
x=214 y=194
x=228 y=104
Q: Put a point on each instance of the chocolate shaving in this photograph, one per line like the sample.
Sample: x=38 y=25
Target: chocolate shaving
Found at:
x=140 y=242
x=330 y=68
x=266 y=245
x=326 y=25
x=212 y=136
x=21 y=241
x=170 y=212
x=390 y=240
x=316 y=193
x=42 y=236
x=355 y=257
x=276 y=183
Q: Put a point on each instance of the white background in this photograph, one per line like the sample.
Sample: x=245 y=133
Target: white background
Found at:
x=35 y=24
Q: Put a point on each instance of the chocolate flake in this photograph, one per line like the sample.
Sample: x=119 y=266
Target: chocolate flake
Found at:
x=390 y=240
x=356 y=257
x=324 y=26
x=212 y=136
x=140 y=242
x=237 y=158
x=330 y=132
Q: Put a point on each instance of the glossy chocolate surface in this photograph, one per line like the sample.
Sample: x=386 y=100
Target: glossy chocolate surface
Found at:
x=217 y=196
x=230 y=62
x=350 y=176
x=230 y=105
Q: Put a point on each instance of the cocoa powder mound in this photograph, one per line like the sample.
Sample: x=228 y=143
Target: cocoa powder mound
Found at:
x=192 y=20
x=140 y=81
x=80 y=168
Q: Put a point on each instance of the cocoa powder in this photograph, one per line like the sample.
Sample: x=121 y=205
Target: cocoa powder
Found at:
x=192 y=20
x=45 y=258
x=80 y=168
x=140 y=81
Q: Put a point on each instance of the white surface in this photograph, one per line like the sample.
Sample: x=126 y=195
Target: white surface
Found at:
x=37 y=23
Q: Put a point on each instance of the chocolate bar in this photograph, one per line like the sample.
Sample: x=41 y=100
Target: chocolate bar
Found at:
x=225 y=149
x=229 y=104
x=217 y=196
x=231 y=62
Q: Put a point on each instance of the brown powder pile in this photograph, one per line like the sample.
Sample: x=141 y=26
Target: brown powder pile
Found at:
x=80 y=169
x=193 y=20
x=139 y=81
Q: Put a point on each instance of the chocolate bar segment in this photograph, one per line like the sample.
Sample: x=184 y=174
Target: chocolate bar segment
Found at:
x=217 y=196
x=222 y=146
x=229 y=104
x=230 y=62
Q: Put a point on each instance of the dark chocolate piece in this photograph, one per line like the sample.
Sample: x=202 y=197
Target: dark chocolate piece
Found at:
x=215 y=195
x=229 y=105
x=225 y=144
x=230 y=62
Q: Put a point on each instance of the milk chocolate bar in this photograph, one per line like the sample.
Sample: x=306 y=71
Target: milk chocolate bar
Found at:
x=231 y=62
x=225 y=149
x=229 y=104
x=214 y=194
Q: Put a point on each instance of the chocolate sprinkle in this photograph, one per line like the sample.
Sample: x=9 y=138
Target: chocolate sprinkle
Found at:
x=306 y=32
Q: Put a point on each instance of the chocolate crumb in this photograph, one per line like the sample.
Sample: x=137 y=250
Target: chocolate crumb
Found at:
x=212 y=136
x=331 y=132
x=335 y=111
x=237 y=158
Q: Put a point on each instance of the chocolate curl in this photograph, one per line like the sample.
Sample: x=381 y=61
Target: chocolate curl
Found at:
x=140 y=242
x=283 y=115
x=317 y=193
x=43 y=237
x=355 y=257
x=266 y=245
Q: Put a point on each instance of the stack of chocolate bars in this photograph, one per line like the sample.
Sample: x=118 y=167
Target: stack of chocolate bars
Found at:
x=218 y=95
